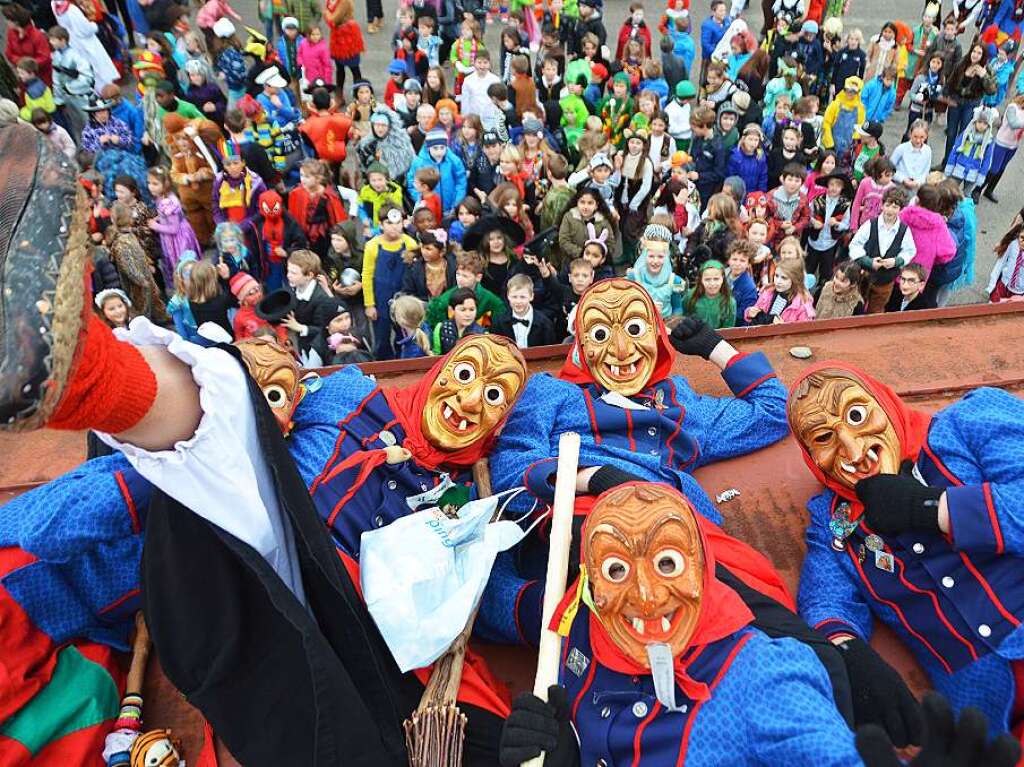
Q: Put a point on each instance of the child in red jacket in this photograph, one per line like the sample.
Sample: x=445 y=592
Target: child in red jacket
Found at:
x=788 y=210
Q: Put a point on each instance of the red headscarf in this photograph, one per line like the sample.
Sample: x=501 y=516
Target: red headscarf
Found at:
x=722 y=612
x=575 y=369
x=409 y=403
x=911 y=425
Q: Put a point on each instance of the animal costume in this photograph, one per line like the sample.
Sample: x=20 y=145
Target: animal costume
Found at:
x=659 y=654
x=191 y=146
x=874 y=546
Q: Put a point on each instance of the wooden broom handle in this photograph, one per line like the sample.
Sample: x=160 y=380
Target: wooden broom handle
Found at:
x=140 y=656
x=549 y=655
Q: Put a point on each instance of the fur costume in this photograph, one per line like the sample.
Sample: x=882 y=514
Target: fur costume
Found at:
x=346 y=37
x=190 y=145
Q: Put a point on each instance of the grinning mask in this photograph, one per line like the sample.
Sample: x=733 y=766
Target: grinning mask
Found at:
x=472 y=393
x=154 y=749
x=645 y=561
x=277 y=374
x=617 y=328
x=843 y=427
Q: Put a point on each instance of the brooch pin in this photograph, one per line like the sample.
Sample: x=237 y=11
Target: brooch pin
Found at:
x=841 y=526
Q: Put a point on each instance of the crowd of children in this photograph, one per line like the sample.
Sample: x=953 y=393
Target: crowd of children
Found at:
x=237 y=181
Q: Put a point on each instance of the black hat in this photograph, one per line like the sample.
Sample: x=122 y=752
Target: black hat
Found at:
x=276 y=306
x=542 y=242
x=474 y=236
x=317 y=83
x=97 y=104
x=490 y=138
x=870 y=128
x=822 y=181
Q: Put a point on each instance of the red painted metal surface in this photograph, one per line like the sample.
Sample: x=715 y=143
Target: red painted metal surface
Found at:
x=931 y=358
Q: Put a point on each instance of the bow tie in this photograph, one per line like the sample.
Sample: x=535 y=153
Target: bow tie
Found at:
x=521 y=321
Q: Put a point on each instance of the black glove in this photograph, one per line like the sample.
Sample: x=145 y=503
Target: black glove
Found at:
x=880 y=697
x=535 y=726
x=896 y=503
x=947 y=742
x=608 y=477
x=694 y=337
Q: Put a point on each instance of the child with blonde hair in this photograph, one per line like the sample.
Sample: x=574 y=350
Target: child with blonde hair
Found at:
x=787 y=298
x=408 y=313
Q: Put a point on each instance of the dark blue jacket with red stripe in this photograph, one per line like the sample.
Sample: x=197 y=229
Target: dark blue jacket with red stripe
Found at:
x=669 y=431
x=770 y=703
x=956 y=601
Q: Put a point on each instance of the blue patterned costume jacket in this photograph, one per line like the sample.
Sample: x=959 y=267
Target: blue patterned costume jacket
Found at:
x=86 y=527
x=957 y=602
x=620 y=722
x=672 y=431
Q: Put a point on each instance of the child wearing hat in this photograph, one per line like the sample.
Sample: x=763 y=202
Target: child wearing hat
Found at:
x=678 y=113
x=248 y=292
x=574 y=111
x=288 y=46
x=601 y=175
x=340 y=342
x=971 y=158
x=452 y=179
x=616 y=109
x=236 y=189
x=844 y=113
x=829 y=222
x=378 y=191
x=226 y=52
x=396 y=79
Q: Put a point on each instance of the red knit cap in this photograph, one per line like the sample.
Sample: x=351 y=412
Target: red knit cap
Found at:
x=240 y=283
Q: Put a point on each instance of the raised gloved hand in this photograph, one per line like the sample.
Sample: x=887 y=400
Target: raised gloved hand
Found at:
x=608 y=477
x=880 y=697
x=896 y=503
x=948 y=742
x=694 y=337
x=535 y=726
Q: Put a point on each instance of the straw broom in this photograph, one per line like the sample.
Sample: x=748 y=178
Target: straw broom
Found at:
x=436 y=731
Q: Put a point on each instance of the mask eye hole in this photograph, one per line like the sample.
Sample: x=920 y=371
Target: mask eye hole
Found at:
x=600 y=333
x=669 y=563
x=614 y=569
x=636 y=328
x=856 y=415
x=275 y=396
x=494 y=395
x=464 y=373
x=823 y=438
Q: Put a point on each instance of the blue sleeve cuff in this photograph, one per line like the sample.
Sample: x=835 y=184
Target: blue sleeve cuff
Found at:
x=538 y=478
x=973 y=524
x=832 y=627
x=745 y=372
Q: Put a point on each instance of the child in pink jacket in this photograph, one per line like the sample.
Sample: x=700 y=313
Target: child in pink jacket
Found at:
x=786 y=299
x=212 y=11
x=928 y=227
x=314 y=57
x=867 y=203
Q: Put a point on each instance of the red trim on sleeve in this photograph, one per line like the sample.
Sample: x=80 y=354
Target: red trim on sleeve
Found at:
x=988 y=589
x=341 y=439
x=586 y=686
x=754 y=385
x=128 y=501
x=629 y=431
x=120 y=601
x=986 y=490
x=735 y=358
x=515 y=611
x=940 y=466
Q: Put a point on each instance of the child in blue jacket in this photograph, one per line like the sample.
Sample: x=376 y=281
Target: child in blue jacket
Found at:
x=879 y=96
x=749 y=161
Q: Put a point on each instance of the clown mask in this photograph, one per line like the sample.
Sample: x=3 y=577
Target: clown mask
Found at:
x=843 y=427
x=645 y=561
x=618 y=334
x=277 y=374
x=477 y=386
x=154 y=749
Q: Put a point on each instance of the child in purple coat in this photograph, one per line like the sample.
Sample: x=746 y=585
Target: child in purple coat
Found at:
x=176 y=233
